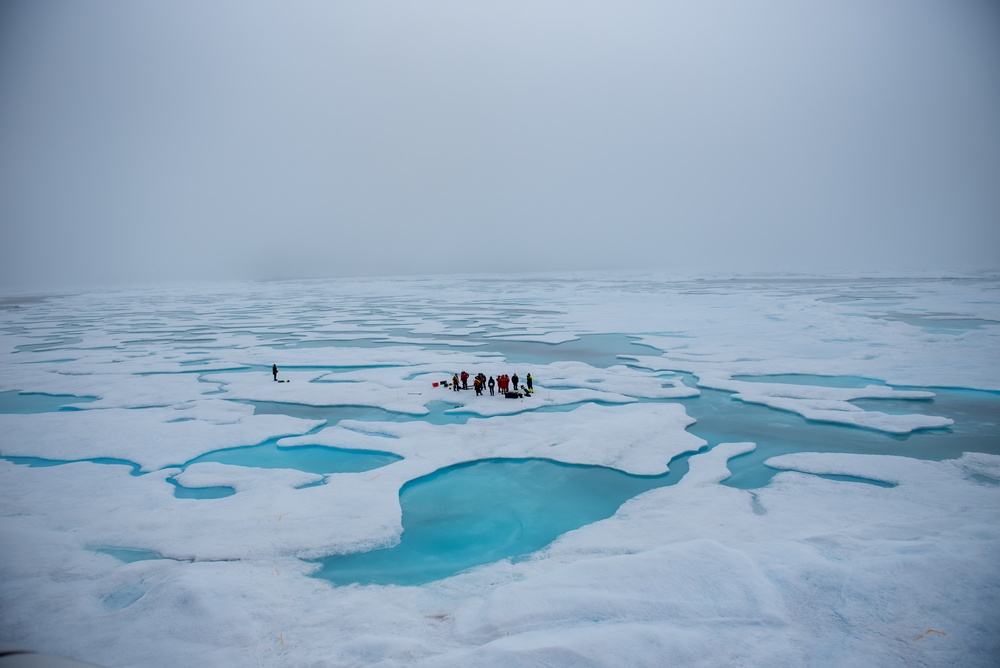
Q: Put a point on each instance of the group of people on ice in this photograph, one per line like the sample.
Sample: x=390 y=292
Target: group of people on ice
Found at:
x=506 y=385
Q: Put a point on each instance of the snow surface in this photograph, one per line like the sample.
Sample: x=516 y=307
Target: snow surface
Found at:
x=804 y=571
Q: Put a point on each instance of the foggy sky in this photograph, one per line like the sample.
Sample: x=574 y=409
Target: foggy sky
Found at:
x=186 y=140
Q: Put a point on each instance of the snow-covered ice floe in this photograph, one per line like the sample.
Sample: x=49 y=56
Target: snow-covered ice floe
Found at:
x=882 y=557
x=831 y=404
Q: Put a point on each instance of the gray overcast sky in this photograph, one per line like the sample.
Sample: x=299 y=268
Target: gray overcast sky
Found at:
x=176 y=140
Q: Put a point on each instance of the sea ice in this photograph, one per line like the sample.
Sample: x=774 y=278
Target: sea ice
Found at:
x=830 y=404
x=805 y=570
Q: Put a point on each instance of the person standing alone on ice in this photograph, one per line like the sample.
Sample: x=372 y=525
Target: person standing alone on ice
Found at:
x=527 y=381
x=274 y=370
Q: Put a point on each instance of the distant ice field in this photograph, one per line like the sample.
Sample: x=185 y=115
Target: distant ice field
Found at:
x=761 y=435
